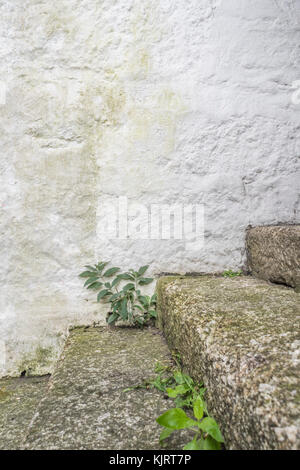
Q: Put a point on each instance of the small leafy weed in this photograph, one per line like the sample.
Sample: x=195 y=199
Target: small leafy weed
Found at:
x=231 y=273
x=127 y=302
x=187 y=395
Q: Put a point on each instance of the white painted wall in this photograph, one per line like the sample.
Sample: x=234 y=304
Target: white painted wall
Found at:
x=161 y=101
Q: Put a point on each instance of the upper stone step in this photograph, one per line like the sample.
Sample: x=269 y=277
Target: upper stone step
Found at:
x=274 y=253
x=241 y=337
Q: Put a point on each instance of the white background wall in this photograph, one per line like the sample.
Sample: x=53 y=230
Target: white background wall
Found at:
x=161 y=101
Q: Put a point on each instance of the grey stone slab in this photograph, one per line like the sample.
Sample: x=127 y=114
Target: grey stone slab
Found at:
x=86 y=406
x=274 y=253
x=241 y=337
x=19 y=398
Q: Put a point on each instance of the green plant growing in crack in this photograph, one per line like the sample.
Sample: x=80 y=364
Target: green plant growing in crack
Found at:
x=187 y=395
x=127 y=302
x=207 y=433
x=230 y=273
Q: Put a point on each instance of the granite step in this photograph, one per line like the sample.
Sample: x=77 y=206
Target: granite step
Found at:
x=241 y=336
x=19 y=399
x=87 y=407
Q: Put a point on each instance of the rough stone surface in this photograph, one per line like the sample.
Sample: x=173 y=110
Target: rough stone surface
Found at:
x=274 y=253
x=241 y=337
x=19 y=398
x=86 y=406
x=164 y=102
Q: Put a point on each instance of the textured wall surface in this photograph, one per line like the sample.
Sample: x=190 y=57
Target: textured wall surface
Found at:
x=162 y=102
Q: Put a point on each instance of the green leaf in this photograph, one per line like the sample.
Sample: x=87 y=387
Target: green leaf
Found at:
x=139 y=307
x=188 y=380
x=164 y=434
x=144 y=300
x=153 y=313
x=101 y=265
x=126 y=277
x=94 y=285
x=175 y=419
x=128 y=286
x=193 y=445
x=91 y=268
x=102 y=294
x=183 y=401
x=124 y=311
x=145 y=280
x=90 y=281
x=211 y=444
x=116 y=305
x=133 y=272
x=142 y=270
x=198 y=408
x=115 y=281
x=114 y=296
x=178 y=376
x=87 y=274
x=110 y=272
x=210 y=426
x=178 y=390
x=112 y=318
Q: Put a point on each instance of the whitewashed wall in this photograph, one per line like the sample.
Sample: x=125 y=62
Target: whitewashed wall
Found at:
x=161 y=101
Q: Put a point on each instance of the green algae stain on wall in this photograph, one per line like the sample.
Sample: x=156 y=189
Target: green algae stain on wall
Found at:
x=85 y=112
x=39 y=362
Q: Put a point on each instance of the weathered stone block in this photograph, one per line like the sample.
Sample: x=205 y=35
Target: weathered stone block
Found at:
x=240 y=336
x=86 y=406
x=274 y=253
x=19 y=398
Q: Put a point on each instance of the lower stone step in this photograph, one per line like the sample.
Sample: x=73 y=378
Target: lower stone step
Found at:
x=86 y=406
x=241 y=337
x=19 y=399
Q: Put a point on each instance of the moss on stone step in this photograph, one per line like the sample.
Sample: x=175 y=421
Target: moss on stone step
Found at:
x=86 y=406
x=19 y=398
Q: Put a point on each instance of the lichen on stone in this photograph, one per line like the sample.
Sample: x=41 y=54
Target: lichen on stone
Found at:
x=86 y=406
x=41 y=359
x=237 y=335
x=19 y=398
